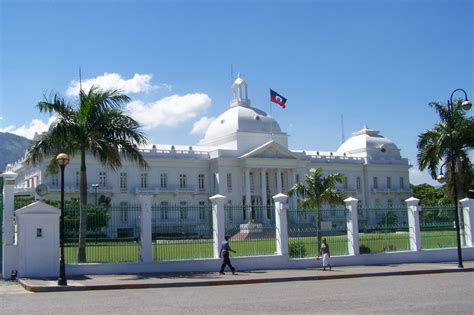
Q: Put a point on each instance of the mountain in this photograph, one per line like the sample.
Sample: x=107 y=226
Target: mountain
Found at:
x=12 y=148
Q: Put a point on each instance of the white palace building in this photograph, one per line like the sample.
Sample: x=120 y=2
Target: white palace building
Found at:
x=243 y=156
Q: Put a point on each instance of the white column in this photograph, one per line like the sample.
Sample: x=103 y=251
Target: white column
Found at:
x=294 y=199
x=248 y=201
x=281 y=224
x=468 y=215
x=9 y=257
x=414 y=223
x=146 y=252
x=352 y=226
x=263 y=187
x=218 y=222
x=278 y=174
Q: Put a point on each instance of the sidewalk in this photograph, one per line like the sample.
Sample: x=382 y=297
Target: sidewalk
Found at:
x=142 y=281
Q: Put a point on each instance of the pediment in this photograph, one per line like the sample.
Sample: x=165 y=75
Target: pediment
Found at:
x=270 y=150
x=38 y=207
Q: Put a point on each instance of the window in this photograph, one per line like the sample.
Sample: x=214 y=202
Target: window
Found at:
x=229 y=182
x=402 y=182
x=389 y=182
x=377 y=203
x=183 y=211
x=182 y=180
x=376 y=182
x=102 y=179
x=267 y=180
x=390 y=203
x=358 y=183
x=143 y=180
x=252 y=182
x=344 y=182
x=78 y=179
x=164 y=210
x=123 y=212
x=201 y=181
x=297 y=178
x=282 y=177
x=123 y=181
x=359 y=204
x=55 y=180
x=163 y=180
x=229 y=211
x=202 y=210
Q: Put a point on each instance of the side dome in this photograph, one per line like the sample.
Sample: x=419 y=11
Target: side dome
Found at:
x=369 y=143
x=240 y=119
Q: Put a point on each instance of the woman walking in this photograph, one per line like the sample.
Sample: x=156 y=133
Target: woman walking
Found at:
x=325 y=253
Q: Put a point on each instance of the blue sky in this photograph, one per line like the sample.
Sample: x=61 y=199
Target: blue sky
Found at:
x=374 y=62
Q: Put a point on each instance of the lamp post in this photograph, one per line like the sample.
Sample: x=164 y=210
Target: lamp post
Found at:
x=95 y=186
x=62 y=160
x=466 y=105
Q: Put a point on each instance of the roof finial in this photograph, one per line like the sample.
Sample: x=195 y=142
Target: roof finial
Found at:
x=365 y=126
x=238 y=74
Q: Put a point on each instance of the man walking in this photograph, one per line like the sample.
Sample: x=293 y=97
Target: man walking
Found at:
x=225 y=249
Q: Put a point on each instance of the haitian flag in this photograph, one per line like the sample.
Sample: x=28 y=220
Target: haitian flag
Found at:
x=277 y=98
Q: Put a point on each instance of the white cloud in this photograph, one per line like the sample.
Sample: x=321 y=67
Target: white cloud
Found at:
x=36 y=126
x=200 y=126
x=169 y=111
x=418 y=177
x=138 y=84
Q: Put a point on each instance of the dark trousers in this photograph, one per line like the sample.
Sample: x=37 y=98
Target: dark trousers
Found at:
x=226 y=261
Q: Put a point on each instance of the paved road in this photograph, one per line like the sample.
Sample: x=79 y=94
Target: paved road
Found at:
x=434 y=293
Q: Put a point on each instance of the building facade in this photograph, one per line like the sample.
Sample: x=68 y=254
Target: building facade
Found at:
x=243 y=156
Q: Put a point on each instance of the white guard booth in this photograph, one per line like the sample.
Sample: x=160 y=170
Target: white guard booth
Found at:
x=38 y=240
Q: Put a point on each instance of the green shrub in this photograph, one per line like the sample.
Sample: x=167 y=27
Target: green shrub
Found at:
x=297 y=250
x=364 y=249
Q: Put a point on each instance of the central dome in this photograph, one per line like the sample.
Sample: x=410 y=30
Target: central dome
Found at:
x=243 y=127
x=241 y=119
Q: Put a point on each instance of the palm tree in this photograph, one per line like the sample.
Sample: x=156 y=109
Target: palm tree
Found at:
x=96 y=125
x=317 y=190
x=434 y=147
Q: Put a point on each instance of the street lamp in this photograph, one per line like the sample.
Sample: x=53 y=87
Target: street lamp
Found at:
x=95 y=186
x=62 y=159
x=466 y=105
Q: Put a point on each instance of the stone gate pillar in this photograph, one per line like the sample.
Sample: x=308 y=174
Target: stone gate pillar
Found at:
x=146 y=251
x=218 y=222
x=352 y=221
x=468 y=215
x=414 y=223
x=9 y=249
x=281 y=224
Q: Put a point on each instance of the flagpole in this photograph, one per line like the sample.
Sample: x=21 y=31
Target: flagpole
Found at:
x=271 y=116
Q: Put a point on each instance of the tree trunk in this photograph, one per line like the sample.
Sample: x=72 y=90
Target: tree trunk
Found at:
x=83 y=210
x=318 y=229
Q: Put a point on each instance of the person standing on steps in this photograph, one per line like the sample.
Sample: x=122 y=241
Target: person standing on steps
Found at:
x=225 y=249
x=326 y=254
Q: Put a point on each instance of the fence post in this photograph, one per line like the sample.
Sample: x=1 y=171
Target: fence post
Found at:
x=281 y=224
x=352 y=221
x=414 y=223
x=146 y=252
x=9 y=262
x=468 y=215
x=218 y=221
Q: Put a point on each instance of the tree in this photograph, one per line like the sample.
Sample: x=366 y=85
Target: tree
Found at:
x=434 y=147
x=429 y=195
x=317 y=190
x=96 y=125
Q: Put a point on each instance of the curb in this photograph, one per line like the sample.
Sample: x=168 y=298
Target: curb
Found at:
x=55 y=288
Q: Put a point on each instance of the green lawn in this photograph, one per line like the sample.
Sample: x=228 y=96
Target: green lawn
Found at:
x=298 y=247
